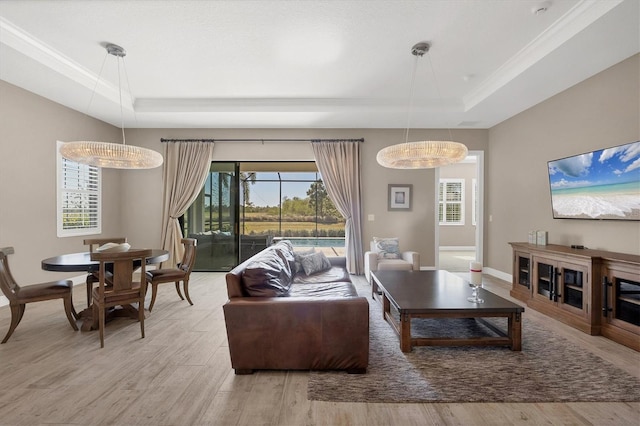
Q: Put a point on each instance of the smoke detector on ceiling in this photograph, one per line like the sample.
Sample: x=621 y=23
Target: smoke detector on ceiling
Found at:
x=541 y=8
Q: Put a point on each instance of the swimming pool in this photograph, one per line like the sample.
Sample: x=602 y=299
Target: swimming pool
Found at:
x=316 y=242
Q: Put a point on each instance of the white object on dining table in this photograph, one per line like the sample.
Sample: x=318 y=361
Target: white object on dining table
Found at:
x=113 y=247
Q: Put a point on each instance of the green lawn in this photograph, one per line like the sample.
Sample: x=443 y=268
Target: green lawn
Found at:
x=264 y=227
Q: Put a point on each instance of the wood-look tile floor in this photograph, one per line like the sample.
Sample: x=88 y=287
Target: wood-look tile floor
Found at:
x=180 y=374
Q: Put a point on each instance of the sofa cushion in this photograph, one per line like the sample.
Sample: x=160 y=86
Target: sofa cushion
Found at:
x=298 y=258
x=268 y=275
x=315 y=262
x=324 y=290
x=333 y=275
x=395 y=265
x=386 y=248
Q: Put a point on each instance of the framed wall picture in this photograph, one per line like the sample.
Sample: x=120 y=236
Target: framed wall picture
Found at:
x=399 y=197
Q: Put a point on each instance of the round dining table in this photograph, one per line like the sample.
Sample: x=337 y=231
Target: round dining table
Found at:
x=81 y=262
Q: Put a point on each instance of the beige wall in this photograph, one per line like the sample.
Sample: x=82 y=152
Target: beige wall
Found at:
x=29 y=128
x=599 y=112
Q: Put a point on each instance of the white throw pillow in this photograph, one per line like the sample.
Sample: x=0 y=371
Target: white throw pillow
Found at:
x=387 y=248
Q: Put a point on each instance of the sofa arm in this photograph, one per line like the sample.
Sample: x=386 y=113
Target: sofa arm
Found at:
x=412 y=257
x=298 y=333
x=370 y=264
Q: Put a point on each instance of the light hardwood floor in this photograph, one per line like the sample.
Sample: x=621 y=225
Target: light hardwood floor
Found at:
x=180 y=374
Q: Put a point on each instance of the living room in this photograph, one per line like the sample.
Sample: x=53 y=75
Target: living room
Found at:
x=600 y=111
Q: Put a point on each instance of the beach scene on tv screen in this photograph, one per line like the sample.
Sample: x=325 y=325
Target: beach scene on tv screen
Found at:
x=603 y=184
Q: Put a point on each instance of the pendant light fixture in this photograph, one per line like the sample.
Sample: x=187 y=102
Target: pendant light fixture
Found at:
x=107 y=154
x=422 y=154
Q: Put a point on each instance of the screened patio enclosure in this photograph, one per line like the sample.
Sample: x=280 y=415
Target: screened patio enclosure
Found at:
x=246 y=206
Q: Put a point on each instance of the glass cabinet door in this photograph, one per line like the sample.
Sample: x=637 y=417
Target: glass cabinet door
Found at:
x=523 y=268
x=627 y=300
x=545 y=279
x=573 y=283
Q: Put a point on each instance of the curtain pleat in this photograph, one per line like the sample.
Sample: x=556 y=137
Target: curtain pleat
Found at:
x=185 y=171
x=339 y=165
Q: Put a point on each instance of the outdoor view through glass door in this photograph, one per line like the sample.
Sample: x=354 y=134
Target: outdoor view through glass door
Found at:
x=268 y=201
x=212 y=219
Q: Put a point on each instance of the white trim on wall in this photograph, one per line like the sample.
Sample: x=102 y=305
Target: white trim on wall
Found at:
x=498 y=274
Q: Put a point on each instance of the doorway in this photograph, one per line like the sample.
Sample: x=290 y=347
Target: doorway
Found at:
x=459 y=215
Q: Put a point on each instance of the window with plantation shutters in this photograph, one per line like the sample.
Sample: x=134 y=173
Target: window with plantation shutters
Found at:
x=451 y=202
x=79 y=198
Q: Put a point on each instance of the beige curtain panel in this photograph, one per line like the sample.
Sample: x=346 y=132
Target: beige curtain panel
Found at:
x=339 y=165
x=186 y=167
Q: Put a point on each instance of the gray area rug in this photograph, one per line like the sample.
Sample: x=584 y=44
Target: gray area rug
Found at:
x=549 y=369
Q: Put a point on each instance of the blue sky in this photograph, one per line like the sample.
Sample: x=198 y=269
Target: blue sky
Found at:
x=618 y=164
x=268 y=193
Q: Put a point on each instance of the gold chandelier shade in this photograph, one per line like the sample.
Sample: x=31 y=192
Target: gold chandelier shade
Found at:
x=421 y=155
x=111 y=155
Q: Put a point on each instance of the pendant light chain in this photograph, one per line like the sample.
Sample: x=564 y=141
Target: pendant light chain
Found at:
x=124 y=141
x=435 y=81
x=410 y=108
x=95 y=86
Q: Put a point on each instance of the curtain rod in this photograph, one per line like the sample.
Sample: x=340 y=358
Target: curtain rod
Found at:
x=261 y=140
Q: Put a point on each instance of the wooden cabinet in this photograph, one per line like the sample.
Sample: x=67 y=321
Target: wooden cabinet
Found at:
x=595 y=291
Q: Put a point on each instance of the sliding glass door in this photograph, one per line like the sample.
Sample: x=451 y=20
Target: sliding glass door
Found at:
x=245 y=207
x=212 y=219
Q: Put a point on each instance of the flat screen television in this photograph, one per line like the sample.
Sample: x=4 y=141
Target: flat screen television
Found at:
x=603 y=184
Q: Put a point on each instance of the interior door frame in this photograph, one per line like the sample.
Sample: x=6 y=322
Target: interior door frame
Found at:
x=479 y=237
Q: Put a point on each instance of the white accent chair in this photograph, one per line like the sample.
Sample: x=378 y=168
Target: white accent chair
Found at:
x=375 y=260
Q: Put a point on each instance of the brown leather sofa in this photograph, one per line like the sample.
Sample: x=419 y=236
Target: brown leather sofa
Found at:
x=294 y=321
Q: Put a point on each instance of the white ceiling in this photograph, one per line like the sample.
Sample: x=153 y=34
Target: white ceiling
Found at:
x=315 y=64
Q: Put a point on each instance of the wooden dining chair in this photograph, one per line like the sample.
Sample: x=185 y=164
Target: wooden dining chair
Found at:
x=123 y=290
x=175 y=275
x=20 y=296
x=93 y=244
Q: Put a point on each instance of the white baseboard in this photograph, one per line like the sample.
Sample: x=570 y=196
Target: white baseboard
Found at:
x=456 y=248
x=498 y=274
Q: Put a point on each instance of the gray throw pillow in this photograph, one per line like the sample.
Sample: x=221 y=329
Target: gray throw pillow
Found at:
x=298 y=255
x=315 y=262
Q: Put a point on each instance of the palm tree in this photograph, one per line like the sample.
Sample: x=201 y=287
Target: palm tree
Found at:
x=245 y=180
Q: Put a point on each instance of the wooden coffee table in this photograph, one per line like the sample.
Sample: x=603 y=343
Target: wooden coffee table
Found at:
x=440 y=294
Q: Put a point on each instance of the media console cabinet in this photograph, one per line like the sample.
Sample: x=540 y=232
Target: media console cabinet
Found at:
x=595 y=291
